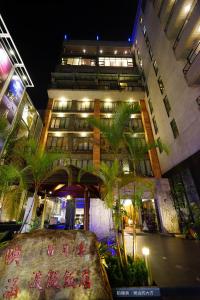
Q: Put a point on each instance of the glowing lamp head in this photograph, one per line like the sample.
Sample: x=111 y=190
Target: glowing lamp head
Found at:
x=69 y=197
x=145 y=251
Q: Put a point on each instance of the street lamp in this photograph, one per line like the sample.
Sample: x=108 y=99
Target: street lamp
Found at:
x=146 y=252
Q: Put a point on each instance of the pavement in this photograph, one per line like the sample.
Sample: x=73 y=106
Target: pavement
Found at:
x=175 y=262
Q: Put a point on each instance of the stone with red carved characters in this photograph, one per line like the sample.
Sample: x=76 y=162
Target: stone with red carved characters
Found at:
x=53 y=264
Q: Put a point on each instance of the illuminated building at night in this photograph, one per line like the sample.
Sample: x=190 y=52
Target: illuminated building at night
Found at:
x=166 y=43
x=92 y=79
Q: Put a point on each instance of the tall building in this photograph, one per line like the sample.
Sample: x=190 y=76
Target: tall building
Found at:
x=16 y=107
x=92 y=79
x=166 y=45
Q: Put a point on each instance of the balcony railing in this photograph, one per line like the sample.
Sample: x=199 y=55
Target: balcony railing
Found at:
x=191 y=58
x=184 y=25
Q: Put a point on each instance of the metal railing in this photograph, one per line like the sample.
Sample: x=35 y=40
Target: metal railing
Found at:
x=184 y=25
x=191 y=58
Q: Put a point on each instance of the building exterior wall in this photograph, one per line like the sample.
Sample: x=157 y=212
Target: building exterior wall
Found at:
x=182 y=97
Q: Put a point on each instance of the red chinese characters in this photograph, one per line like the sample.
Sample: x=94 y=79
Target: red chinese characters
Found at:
x=50 y=250
x=69 y=280
x=12 y=289
x=85 y=279
x=53 y=279
x=65 y=250
x=80 y=249
x=13 y=254
x=36 y=281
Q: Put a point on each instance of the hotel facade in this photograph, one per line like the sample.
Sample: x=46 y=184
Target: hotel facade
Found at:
x=92 y=79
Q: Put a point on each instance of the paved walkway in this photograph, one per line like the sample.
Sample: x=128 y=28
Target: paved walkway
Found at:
x=175 y=262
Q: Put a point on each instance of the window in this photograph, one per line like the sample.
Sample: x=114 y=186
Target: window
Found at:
x=174 y=128
x=78 y=61
x=150 y=106
x=159 y=145
x=60 y=105
x=150 y=52
x=155 y=66
x=161 y=85
x=147 y=90
x=155 y=125
x=167 y=105
x=115 y=62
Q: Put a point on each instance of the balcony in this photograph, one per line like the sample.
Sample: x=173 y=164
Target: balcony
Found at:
x=179 y=13
x=189 y=33
x=192 y=68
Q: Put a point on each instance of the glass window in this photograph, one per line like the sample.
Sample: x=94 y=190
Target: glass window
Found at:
x=155 y=125
x=167 y=105
x=159 y=145
x=115 y=61
x=161 y=85
x=150 y=106
x=174 y=128
x=155 y=66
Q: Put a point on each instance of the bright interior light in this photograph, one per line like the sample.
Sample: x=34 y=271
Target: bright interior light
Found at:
x=127 y=202
x=69 y=197
x=84 y=50
x=63 y=99
x=130 y=100
x=61 y=115
x=145 y=251
x=108 y=100
x=12 y=52
x=84 y=115
x=83 y=134
x=101 y=51
x=115 y=52
x=125 y=52
x=108 y=115
x=187 y=8
x=58 y=134
x=85 y=99
x=50 y=192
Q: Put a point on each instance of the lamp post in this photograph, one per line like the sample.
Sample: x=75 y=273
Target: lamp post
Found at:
x=145 y=252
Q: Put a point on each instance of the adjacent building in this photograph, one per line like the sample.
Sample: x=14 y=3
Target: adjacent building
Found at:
x=167 y=51
x=16 y=107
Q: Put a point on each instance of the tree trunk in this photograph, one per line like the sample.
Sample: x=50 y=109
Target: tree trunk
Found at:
x=44 y=211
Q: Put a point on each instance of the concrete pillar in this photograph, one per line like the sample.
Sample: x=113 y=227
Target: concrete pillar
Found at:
x=86 y=210
x=150 y=139
x=96 y=135
x=47 y=119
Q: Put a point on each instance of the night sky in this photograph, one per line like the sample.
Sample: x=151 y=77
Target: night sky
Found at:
x=38 y=28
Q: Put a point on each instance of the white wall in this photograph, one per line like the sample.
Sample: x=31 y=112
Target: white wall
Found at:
x=182 y=98
x=100 y=219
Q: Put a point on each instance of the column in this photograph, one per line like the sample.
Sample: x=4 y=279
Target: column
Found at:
x=47 y=119
x=96 y=135
x=86 y=209
x=153 y=155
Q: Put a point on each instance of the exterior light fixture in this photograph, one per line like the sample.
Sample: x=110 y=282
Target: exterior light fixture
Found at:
x=145 y=251
x=84 y=50
x=69 y=197
x=115 y=52
x=101 y=51
x=50 y=192
x=83 y=134
x=125 y=52
x=108 y=100
x=85 y=99
x=187 y=8
x=12 y=52
x=108 y=115
x=62 y=99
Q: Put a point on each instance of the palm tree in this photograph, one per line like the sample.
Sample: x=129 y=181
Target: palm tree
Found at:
x=39 y=164
x=118 y=135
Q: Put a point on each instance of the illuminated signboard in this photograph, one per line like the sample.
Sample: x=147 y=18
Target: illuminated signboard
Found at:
x=5 y=66
x=11 y=98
